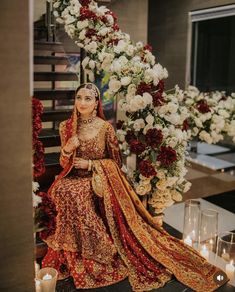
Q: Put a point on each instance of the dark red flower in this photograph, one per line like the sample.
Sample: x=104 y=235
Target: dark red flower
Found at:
x=113 y=41
x=104 y=19
x=185 y=125
x=85 y=13
x=148 y=47
x=161 y=86
x=158 y=98
x=146 y=168
x=130 y=135
x=119 y=124
x=137 y=147
x=143 y=87
x=112 y=14
x=154 y=137
x=48 y=215
x=115 y=27
x=85 y=2
x=166 y=156
x=90 y=32
x=202 y=106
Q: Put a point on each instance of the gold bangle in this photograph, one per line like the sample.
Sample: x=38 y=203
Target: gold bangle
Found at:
x=65 y=153
x=89 y=165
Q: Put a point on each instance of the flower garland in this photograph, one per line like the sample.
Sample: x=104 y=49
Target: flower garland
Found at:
x=211 y=115
x=138 y=82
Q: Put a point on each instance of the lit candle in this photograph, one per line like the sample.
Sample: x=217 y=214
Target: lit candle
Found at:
x=225 y=255
x=229 y=268
x=204 y=252
x=47 y=277
x=188 y=240
x=211 y=244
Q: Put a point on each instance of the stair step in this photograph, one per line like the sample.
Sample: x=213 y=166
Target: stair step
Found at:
x=49 y=137
x=50 y=114
x=56 y=47
x=55 y=76
x=53 y=168
x=51 y=60
x=55 y=94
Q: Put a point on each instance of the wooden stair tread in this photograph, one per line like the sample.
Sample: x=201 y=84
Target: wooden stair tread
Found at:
x=49 y=46
x=50 y=137
x=54 y=94
x=55 y=76
x=51 y=60
x=52 y=159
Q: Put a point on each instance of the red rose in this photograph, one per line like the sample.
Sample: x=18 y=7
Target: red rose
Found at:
x=143 y=87
x=119 y=124
x=130 y=135
x=85 y=13
x=202 y=106
x=185 y=125
x=154 y=137
x=137 y=147
x=90 y=32
x=146 y=168
x=167 y=156
x=158 y=99
x=115 y=27
x=85 y=2
x=148 y=48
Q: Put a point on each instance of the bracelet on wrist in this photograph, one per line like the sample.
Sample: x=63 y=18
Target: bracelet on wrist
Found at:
x=65 y=153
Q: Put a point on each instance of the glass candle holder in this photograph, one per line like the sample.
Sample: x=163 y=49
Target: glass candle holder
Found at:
x=47 y=278
x=225 y=254
x=191 y=222
x=208 y=230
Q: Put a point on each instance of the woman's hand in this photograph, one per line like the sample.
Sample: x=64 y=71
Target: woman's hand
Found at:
x=71 y=144
x=80 y=163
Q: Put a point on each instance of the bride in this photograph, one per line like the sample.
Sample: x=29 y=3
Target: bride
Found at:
x=103 y=233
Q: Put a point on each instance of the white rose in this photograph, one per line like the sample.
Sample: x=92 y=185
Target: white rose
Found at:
x=123 y=60
x=130 y=50
x=92 y=47
x=104 y=31
x=161 y=184
x=148 y=99
x=121 y=135
x=187 y=186
x=114 y=85
x=143 y=189
x=139 y=45
x=204 y=136
x=172 y=107
x=160 y=71
x=126 y=80
x=91 y=75
x=138 y=124
x=116 y=66
x=131 y=90
x=82 y=34
x=120 y=47
x=82 y=24
x=92 y=64
x=35 y=186
x=110 y=19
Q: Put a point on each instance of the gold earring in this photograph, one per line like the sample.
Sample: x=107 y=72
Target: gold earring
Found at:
x=94 y=113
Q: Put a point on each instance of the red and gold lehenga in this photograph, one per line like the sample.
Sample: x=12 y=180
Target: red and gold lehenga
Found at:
x=103 y=232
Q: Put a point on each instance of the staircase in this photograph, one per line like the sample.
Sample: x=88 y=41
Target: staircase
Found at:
x=46 y=76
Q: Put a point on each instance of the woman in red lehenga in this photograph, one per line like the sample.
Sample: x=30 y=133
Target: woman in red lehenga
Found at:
x=103 y=233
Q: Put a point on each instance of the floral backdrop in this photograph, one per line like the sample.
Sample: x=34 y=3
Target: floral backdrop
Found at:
x=158 y=123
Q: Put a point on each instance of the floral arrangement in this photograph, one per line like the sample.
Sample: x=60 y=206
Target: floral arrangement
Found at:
x=44 y=210
x=211 y=115
x=149 y=131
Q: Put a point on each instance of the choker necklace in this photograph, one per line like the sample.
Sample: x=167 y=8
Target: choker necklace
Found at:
x=88 y=121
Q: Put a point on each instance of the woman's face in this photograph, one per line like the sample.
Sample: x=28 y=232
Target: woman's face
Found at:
x=85 y=101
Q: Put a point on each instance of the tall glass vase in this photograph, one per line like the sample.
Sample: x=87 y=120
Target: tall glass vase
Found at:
x=208 y=230
x=191 y=222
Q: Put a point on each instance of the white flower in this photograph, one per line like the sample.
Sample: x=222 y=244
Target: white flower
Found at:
x=176 y=196
x=110 y=19
x=85 y=62
x=143 y=189
x=120 y=47
x=82 y=34
x=126 y=80
x=139 y=45
x=161 y=184
x=91 y=75
x=121 y=135
x=138 y=124
x=36 y=200
x=130 y=50
x=82 y=24
x=148 y=99
x=104 y=31
x=204 y=136
x=35 y=186
x=131 y=90
x=92 y=64
x=187 y=186
x=114 y=85
x=91 y=47
x=149 y=119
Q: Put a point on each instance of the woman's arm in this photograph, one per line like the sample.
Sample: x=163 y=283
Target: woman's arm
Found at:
x=64 y=156
x=113 y=146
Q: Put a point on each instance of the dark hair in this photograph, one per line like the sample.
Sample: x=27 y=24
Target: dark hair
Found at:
x=89 y=86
